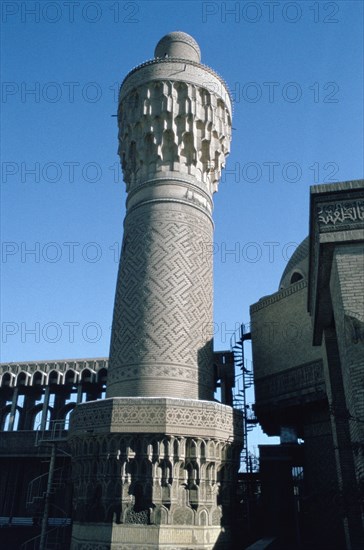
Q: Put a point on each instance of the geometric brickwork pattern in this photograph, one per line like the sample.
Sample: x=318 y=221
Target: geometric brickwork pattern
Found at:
x=174 y=136
x=158 y=415
x=161 y=335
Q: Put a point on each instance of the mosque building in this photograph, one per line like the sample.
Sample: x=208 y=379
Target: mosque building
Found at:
x=133 y=451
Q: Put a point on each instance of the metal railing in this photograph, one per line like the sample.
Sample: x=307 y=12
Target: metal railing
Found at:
x=37 y=488
x=56 y=431
x=243 y=381
x=55 y=538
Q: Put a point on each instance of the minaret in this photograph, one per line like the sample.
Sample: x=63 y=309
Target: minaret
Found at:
x=174 y=132
x=155 y=462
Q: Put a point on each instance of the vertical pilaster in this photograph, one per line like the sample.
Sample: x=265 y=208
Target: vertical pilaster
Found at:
x=336 y=304
x=14 y=403
x=43 y=423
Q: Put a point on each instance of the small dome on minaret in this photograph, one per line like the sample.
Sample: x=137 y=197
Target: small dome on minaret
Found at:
x=178 y=44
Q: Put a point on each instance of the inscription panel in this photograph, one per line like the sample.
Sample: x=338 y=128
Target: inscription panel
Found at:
x=340 y=215
x=300 y=380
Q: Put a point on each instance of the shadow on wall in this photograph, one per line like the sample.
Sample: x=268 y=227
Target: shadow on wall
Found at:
x=206 y=371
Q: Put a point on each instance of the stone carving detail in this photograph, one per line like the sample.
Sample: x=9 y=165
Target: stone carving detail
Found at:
x=331 y=215
x=308 y=378
x=167 y=126
x=152 y=479
x=183 y=516
x=141 y=518
x=163 y=307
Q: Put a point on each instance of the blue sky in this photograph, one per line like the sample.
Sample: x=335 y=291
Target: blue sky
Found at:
x=295 y=70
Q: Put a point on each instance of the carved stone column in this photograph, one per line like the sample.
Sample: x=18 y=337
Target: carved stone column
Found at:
x=155 y=463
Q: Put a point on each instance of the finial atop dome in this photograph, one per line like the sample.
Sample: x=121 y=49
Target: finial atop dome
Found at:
x=178 y=44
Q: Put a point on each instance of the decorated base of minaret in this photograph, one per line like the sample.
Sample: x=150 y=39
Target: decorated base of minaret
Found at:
x=153 y=473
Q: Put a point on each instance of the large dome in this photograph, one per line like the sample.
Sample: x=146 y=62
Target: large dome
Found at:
x=297 y=267
x=178 y=44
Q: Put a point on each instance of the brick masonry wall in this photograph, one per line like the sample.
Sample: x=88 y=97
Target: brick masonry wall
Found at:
x=321 y=503
x=347 y=293
x=282 y=341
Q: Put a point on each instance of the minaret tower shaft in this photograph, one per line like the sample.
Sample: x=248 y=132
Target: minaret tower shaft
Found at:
x=174 y=133
x=155 y=464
